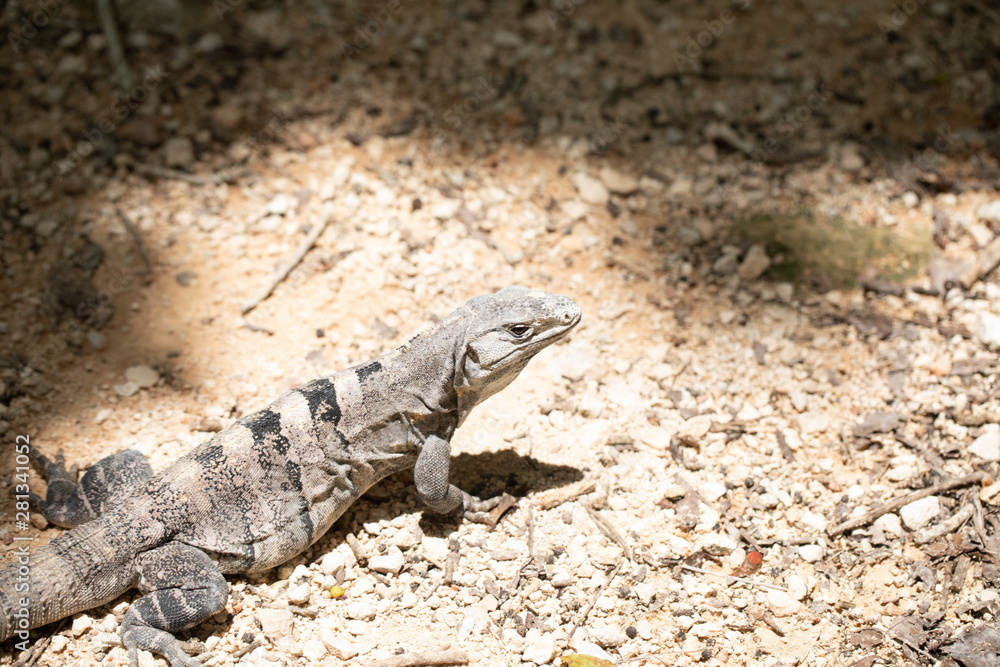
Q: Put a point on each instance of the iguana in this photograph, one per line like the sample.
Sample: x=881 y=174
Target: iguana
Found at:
x=271 y=484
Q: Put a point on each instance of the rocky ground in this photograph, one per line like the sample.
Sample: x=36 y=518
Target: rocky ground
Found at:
x=780 y=219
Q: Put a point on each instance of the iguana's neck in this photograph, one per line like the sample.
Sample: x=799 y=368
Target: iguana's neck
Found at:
x=425 y=367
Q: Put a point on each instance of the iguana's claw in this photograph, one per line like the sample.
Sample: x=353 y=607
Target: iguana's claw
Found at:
x=479 y=511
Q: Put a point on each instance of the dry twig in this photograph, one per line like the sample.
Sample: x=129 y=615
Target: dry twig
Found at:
x=610 y=531
x=731 y=578
x=109 y=23
x=894 y=505
x=139 y=244
x=952 y=524
x=449 y=657
x=597 y=594
x=564 y=494
x=287 y=267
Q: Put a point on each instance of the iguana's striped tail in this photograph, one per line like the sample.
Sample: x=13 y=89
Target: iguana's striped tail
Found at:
x=76 y=571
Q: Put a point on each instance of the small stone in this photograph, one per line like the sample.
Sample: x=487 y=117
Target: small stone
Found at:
x=890 y=524
x=919 y=513
x=404 y=539
x=299 y=594
x=796 y=586
x=391 y=562
x=276 y=624
x=360 y=610
x=280 y=204
x=102 y=416
x=988 y=329
x=810 y=553
x=142 y=376
x=59 y=643
x=126 y=389
x=617 y=182
x=986 y=446
x=754 y=264
x=799 y=400
x=561 y=579
x=540 y=650
x=782 y=604
x=226 y=118
x=81 y=625
x=851 y=161
x=768 y=501
x=591 y=190
x=179 y=152
x=726 y=265
x=332 y=563
x=910 y=199
x=96 y=340
x=210 y=41
x=590 y=648
x=608 y=635
x=990 y=213
x=314 y=650
x=446 y=209
x=812 y=422
x=711 y=491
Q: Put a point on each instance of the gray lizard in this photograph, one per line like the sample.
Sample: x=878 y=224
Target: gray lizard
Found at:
x=271 y=484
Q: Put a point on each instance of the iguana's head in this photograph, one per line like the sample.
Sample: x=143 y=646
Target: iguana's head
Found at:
x=503 y=332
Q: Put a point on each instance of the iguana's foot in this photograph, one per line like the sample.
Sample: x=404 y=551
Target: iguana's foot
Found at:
x=182 y=588
x=106 y=483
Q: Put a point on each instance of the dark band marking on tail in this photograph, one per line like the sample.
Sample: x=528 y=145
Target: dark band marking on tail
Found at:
x=369 y=369
x=321 y=396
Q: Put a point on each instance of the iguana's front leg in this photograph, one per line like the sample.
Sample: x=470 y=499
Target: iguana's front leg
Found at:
x=182 y=587
x=431 y=477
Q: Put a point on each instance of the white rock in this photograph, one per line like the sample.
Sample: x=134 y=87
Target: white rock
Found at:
x=276 y=624
x=696 y=427
x=986 y=446
x=608 y=635
x=796 y=586
x=126 y=389
x=540 y=650
x=768 y=501
x=814 y=521
x=810 y=553
x=404 y=539
x=561 y=579
x=782 y=604
x=617 y=182
x=280 y=204
x=299 y=594
x=919 y=513
x=360 y=610
x=81 y=625
x=332 y=563
x=391 y=561
x=988 y=329
x=711 y=491
x=589 y=648
x=314 y=650
x=754 y=264
x=102 y=415
x=684 y=622
x=59 y=643
x=889 y=523
x=799 y=400
x=446 y=209
x=591 y=190
x=990 y=212
x=142 y=376
x=812 y=422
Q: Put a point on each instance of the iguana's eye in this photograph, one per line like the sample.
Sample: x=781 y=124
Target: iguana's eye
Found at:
x=520 y=330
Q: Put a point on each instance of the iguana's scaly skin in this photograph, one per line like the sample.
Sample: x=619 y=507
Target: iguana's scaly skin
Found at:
x=267 y=487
